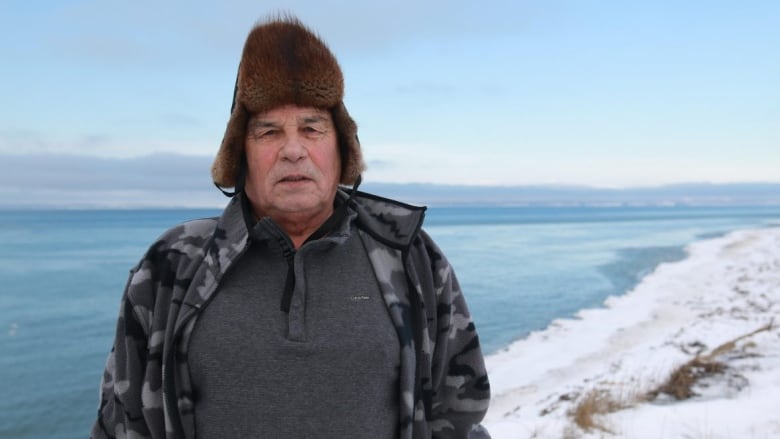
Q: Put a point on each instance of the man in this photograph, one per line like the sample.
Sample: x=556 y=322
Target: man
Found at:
x=305 y=309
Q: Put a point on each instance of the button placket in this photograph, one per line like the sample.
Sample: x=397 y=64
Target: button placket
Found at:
x=296 y=319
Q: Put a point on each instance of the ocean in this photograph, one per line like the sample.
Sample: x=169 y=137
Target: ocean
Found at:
x=62 y=273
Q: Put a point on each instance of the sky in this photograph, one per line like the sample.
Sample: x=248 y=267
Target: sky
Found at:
x=598 y=93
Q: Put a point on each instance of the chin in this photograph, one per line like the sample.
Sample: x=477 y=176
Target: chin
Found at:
x=295 y=204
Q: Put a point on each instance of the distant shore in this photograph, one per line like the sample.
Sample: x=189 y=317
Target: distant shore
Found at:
x=710 y=322
x=56 y=181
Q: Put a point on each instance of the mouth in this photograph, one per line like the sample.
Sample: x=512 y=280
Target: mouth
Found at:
x=295 y=178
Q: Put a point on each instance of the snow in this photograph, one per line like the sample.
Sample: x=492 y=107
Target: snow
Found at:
x=727 y=288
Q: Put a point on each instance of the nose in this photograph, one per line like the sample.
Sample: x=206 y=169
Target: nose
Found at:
x=294 y=148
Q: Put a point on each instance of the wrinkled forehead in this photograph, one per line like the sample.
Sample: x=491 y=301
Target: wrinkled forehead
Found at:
x=291 y=114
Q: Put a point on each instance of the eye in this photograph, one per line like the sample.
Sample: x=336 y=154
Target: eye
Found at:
x=312 y=130
x=264 y=133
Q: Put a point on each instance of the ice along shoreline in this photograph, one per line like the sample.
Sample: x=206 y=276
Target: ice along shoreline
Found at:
x=727 y=287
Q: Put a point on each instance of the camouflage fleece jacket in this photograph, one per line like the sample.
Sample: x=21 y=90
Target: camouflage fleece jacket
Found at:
x=146 y=390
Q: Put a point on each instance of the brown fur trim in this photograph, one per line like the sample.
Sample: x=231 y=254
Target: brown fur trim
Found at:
x=351 y=155
x=224 y=171
x=285 y=63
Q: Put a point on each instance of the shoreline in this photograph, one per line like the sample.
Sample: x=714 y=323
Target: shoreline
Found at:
x=725 y=288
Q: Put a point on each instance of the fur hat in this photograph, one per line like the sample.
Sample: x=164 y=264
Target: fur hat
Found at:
x=285 y=63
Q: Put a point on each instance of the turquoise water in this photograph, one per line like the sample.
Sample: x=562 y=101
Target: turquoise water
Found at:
x=62 y=274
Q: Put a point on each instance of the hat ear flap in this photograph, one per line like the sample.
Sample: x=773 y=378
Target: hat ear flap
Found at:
x=231 y=153
x=351 y=155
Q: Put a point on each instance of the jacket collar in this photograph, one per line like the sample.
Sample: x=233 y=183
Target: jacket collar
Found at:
x=392 y=222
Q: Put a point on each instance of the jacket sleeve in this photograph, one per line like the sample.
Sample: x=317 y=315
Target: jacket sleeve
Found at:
x=120 y=413
x=459 y=387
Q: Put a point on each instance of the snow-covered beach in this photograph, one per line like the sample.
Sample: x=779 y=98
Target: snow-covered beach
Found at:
x=716 y=310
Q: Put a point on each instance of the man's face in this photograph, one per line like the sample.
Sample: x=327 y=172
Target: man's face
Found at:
x=293 y=163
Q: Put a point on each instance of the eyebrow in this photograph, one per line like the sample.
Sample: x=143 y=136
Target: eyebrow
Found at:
x=255 y=123
x=314 y=119
x=261 y=123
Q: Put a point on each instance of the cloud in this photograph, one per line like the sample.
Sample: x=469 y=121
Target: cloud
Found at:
x=171 y=180
x=21 y=141
x=81 y=172
x=11 y=140
x=77 y=180
x=18 y=142
x=382 y=164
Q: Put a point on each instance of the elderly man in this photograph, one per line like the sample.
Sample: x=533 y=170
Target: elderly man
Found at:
x=305 y=309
